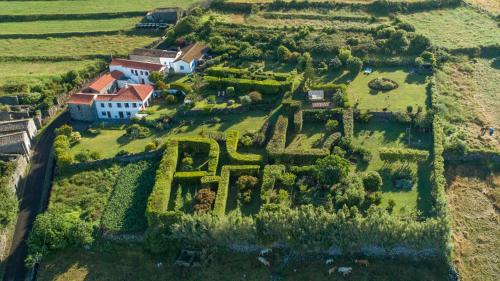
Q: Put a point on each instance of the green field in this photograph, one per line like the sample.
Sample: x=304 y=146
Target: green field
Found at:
x=411 y=91
x=456 y=28
x=65 y=26
x=85 y=6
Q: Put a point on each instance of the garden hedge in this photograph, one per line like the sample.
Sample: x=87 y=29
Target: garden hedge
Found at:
x=270 y=174
x=232 y=139
x=226 y=72
x=225 y=177
x=158 y=199
x=247 y=85
x=202 y=143
x=348 y=122
x=323 y=115
x=389 y=154
x=332 y=140
x=297 y=121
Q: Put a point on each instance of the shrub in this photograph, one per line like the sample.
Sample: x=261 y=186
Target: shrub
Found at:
x=271 y=173
x=62 y=151
x=245 y=100
x=288 y=179
x=354 y=64
x=331 y=125
x=171 y=99
x=65 y=130
x=372 y=181
x=135 y=131
x=255 y=97
x=403 y=155
x=382 y=84
x=246 y=182
x=332 y=169
x=204 y=200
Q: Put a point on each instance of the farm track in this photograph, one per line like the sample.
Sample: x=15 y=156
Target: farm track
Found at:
x=30 y=202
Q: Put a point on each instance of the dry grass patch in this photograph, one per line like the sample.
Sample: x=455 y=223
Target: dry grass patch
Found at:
x=474 y=206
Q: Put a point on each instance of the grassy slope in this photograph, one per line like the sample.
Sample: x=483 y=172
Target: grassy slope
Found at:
x=85 y=6
x=474 y=198
x=456 y=28
x=411 y=91
x=63 y=26
x=379 y=133
x=120 y=263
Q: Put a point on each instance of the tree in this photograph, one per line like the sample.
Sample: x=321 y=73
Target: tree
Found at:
x=418 y=44
x=187 y=25
x=372 y=181
x=288 y=179
x=344 y=54
x=156 y=77
x=335 y=63
x=331 y=125
x=255 y=96
x=283 y=54
x=65 y=130
x=398 y=41
x=204 y=200
x=245 y=100
x=354 y=64
x=332 y=169
x=246 y=182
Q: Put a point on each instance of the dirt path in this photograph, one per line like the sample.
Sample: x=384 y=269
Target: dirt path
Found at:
x=31 y=201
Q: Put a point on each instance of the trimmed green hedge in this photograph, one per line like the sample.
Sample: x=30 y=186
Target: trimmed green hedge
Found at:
x=191 y=176
x=348 y=122
x=232 y=139
x=276 y=147
x=271 y=173
x=186 y=88
x=297 y=121
x=223 y=189
x=332 y=140
x=322 y=114
x=330 y=87
x=247 y=85
x=389 y=154
x=158 y=199
x=226 y=72
x=196 y=141
x=210 y=179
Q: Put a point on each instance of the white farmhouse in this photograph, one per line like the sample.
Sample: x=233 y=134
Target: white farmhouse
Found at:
x=136 y=71
x=126 y=103
x=157 y=56
x=189 y=59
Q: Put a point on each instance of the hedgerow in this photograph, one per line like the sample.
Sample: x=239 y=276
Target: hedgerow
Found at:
x=202 y=144
x=323 y=115
x=158 y=199
x=297 y=121
x=191 y=176
x=348 y=122
x=270 y=174
x=332 y=140
x=389 y=154
x=223 y=189
x=232 y=139
x=226 y=72
x=247 y=85
x=277 y=143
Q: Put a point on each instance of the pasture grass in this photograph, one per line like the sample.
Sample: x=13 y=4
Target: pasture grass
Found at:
x=65 y=26
x=119 y=262
x=86 y=6
x=383 y=133
x=33 y=73
x=462 y=27
x=474 y=198
x=411 y=90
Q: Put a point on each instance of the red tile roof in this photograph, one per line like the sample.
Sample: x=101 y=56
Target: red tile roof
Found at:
x=134 y=92
x=102 y=82
x=81 y=99
x=137 y=64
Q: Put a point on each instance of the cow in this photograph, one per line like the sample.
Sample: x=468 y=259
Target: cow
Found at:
x=329 y=261
x=332 y=270
x=264 y=261
x=344 y=270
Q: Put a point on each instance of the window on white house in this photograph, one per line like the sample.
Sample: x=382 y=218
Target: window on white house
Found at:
x=119 y=105
x=79 y=108
x=126 y=104
x=182 y=67
x=134 y=104
x=102 y=105
x=147 y=73
x=128 y=113
x=110 y=105
x=141 y=72
x=103 y=113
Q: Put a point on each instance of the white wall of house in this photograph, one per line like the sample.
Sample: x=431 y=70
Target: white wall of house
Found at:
x=139 y=76
x=184 y=67
x=112 y=109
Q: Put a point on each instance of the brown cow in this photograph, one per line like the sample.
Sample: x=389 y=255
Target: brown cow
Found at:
x=362 y=262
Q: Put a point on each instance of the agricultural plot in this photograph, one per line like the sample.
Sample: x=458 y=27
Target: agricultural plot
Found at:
x=456 y=28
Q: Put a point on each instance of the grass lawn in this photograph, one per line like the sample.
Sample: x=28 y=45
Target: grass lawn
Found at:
x=311 y=136
x=76 y=45
x=378 y=133
x=63 y=26
x=411 y=91
x=114 y=262
x=86 y=6
x=159 y=109
x=456 y=28
x=36 y=72
x=109 y=142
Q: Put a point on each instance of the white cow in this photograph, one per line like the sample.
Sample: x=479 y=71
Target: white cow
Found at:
x=264 y=261
x=345 y=270
x=329 y=261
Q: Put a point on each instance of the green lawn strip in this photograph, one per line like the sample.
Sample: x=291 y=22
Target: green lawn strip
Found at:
x=379 y=133
x=87 y=6
x=64 y=26
x=84 y=193
x=411 y=91
x=463 y=27
x=125 y=211
x=311 y=136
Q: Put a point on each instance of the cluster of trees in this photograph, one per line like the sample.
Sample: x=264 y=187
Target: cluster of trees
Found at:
x=8 y=208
